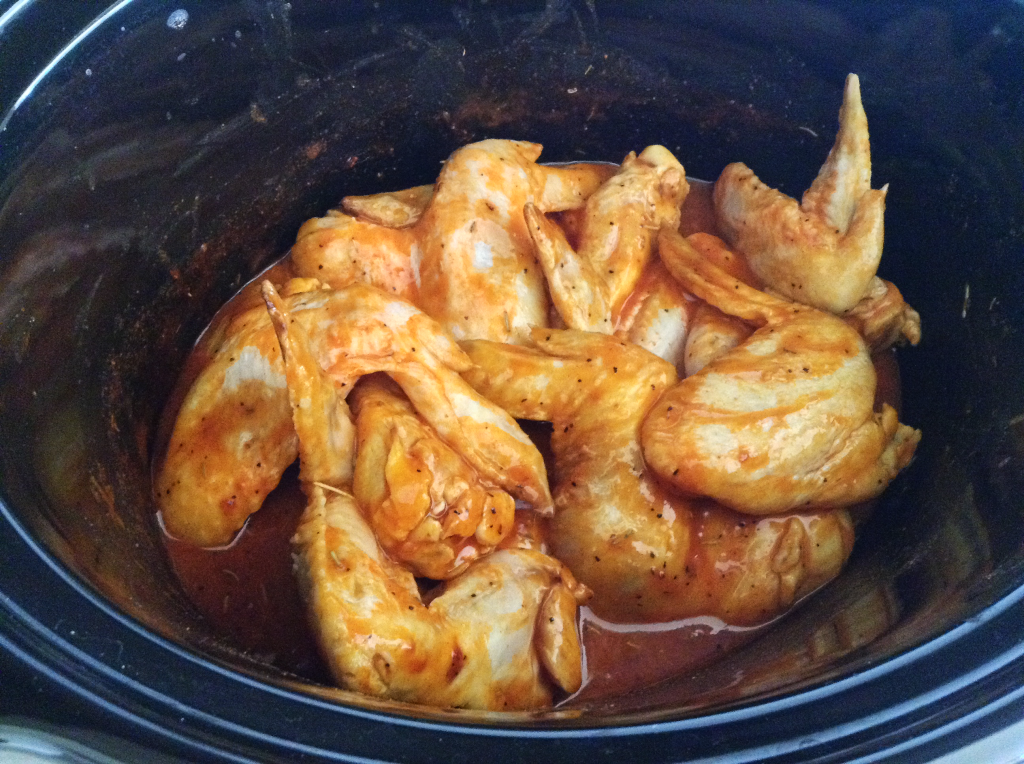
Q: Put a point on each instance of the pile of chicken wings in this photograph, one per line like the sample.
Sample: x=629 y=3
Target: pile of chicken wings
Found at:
x=712 y=398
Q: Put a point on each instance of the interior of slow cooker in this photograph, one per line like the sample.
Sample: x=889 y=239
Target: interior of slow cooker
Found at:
x=160 y=166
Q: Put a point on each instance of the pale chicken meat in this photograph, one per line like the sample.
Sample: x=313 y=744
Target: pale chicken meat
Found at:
x=782 y=421
x=233 y=437
x=590 y=283
x=823 y=251
x=647 y=554
x=428 y=508
x=500 y=636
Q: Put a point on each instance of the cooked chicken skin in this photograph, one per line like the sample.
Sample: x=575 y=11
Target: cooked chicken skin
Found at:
x=589 y=284
x=647 y=554
x=882 y=317
x=464 y=256
x=479 y=278
x=713 y=333
x=785 y=420
x=501 y=636
x=429 y=509
x=342 y=250
x=233 y=439
x=825 y=250
x=394 y=209
x=658 y=315
x=716 y=251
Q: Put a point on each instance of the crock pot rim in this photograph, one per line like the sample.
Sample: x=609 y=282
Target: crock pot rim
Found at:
x=10 y=17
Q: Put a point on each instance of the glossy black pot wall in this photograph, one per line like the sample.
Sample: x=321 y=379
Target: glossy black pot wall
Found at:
x=163 y=158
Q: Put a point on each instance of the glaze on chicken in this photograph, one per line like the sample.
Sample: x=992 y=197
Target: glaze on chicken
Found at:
x=825 y=250
x=782 y=421
x=233 y=436
x=502 y=634
x=704 y=360
x=649 y=555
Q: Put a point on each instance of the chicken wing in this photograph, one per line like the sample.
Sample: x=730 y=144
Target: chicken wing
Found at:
x=785 y=420
x=589 y=285
x=883 y=318
x=233 y=437
x=658 y=315
x=458 y=249
x=713 y=333
x=501 y=636
x=824 y=251
x=429 y=509
x=647 y=554
x=479 y=278
x=342 y=250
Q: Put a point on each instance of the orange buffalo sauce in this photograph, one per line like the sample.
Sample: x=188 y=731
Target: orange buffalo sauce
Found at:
x=246 y=591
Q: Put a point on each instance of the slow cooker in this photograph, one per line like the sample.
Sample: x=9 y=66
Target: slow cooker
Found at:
x=155 y=156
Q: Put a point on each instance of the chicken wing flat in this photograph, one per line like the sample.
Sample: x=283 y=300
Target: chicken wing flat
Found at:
x=428 y=508
x=647 y=554
x=588 y=285
x=785 y=420
x=501 y=636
